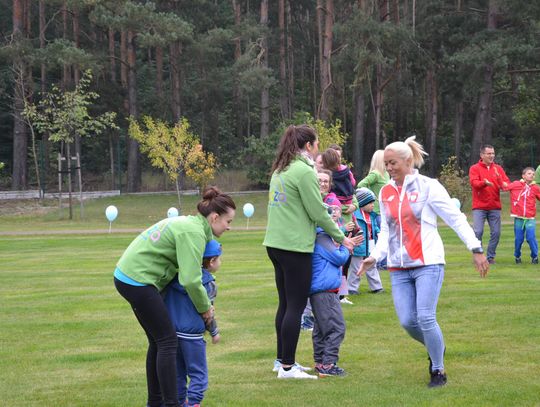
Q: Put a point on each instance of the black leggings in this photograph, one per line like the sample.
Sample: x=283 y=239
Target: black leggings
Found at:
x=293 y=282
x=150 y=310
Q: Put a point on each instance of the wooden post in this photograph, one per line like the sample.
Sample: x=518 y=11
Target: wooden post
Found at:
x=78 y=158
x=68 y=155
x=60 y=182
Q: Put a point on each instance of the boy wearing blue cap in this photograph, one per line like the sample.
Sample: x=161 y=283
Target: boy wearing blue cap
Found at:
x=190 y=327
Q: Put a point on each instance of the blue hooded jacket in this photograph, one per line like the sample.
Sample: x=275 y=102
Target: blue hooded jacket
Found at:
x=187 y=322
x=363 y=249
x=327 y=262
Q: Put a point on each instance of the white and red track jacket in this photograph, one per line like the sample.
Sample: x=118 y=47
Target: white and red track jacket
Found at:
x=523 y=198
x=409 y=236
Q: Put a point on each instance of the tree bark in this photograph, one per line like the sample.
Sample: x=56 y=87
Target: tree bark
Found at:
x=176 y=84
x=124 y=68
x=159 y=72
x=237 y=94
x=265 y=92
x=134 y=165
x=284 y=103
x=326 y=74
x=359 y=136
x=43 y=86
x=20 y=130
x=458 y=131
x=482 y=122
x=112 y=56
x=432 y=85
x=290 y=61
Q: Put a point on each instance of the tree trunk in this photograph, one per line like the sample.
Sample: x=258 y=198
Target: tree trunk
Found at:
x=432 y=83
x=265 y=92
x=112 y=56
x=174 y=54
x=20 y=131
x=124 y=69
x=43 y=87
x=379 y=100
x=134 y=165
x=458 y=131
x=283 y=61
x=159 y=72
x=326 y=74
x=290 y=61
x=237 y=94
x=359 y=131
x=76 y=71
x=482 y=122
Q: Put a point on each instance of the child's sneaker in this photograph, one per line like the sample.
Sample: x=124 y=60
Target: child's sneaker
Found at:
x=307 y=323
x=345 y=300
x=518 y=260
x=534 y=260
x=333 y=370
x=294 y=373
x=277 y=365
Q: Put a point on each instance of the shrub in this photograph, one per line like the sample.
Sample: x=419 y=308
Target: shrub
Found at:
x=454 y=180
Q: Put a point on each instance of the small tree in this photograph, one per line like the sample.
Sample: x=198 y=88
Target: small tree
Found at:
x=65 y=114
x=174 y=149
x=454 y=180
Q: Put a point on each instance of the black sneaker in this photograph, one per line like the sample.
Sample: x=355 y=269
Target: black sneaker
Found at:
x=518 y=260
x=438 y=379
x=534 y=261
x=333 y=370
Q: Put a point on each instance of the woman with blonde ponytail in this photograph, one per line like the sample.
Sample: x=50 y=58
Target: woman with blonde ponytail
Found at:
x=410 y=204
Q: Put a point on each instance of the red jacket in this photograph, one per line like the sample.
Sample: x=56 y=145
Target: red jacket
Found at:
x=483 y=196
x=523 y=198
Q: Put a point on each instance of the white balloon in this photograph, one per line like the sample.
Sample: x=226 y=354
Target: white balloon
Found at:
x=111 y=213
x=172 y=212
x=456 y=202
x=249 y=209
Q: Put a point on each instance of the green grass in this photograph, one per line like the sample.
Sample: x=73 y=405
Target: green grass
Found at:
x=68 y=339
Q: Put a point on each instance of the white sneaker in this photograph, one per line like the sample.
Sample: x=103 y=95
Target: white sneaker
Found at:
x=345 y=300
x=277 y=365
x=294 y=373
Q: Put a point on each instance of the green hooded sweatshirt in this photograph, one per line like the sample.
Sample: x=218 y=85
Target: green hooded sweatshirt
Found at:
x=173 y=245
x=295 y=208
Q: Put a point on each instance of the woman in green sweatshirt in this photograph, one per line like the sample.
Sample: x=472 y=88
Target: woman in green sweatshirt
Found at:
x=173 y=246
x=295 y=208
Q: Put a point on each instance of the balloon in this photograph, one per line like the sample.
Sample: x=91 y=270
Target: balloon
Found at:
x=172 y=212
x=111 y=213
x=456 y=202
x=249 y=209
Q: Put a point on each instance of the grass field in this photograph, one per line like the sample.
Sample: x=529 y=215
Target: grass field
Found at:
x=68 y=339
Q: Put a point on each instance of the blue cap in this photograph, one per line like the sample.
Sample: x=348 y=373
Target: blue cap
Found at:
x=212 y=249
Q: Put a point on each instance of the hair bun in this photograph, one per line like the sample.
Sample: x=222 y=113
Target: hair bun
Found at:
x=210 y=193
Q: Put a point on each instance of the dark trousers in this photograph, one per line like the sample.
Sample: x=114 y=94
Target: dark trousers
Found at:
x=150 y=311
x=293 y=282
x=329 y=327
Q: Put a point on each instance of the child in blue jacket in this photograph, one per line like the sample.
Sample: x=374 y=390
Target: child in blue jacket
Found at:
x=329 y=326
x=190 y=328
x=366 y=219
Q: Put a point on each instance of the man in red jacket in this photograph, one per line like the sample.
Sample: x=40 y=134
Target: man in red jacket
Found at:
x=487 y=179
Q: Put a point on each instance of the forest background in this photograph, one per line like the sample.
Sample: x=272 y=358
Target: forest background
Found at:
x=457 y=73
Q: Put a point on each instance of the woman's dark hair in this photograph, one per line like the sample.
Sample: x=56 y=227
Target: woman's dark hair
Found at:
x=215 y=201
x=331 y=159
x=292 y=142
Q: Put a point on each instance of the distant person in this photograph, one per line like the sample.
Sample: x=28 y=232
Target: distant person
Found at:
x=487 y=180
x=329 y=325
x=295 y=208
x=366 y=219
x=170 y=248
x=318 y=162
x=376 y=179
x=537 y=175
x=410 y=205
x=342 y=181
x=191 y=353
x=523 y=196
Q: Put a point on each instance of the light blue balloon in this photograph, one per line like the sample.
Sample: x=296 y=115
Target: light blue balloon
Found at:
x=456 y=202
x=111 y=213
x=172 y=212
x=249 y=209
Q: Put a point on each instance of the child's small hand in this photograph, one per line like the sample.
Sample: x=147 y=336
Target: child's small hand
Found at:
x=216 y=339
x=349 y=226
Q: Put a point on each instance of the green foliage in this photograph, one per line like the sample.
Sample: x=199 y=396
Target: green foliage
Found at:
x=63 y=115
x=259 y=154
x=174 y=149
x=454 y=180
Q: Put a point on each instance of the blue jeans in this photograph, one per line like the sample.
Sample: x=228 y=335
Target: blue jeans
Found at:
x=494 y=221
x=525 y=229
x=416 y=292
